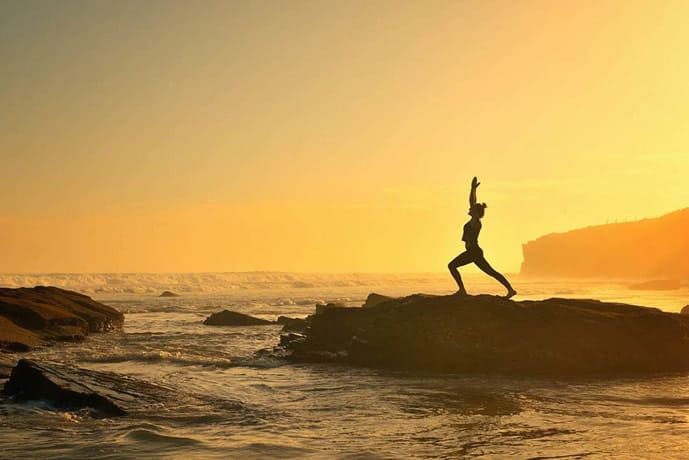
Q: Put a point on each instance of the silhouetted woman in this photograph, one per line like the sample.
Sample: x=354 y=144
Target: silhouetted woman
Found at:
x=473 y=252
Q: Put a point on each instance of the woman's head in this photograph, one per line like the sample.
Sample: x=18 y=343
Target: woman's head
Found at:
x=478 y=210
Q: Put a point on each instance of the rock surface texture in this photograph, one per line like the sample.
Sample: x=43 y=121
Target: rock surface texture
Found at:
x=69 y=387
x=31 y=317
x=7 y=362
x=488 y=334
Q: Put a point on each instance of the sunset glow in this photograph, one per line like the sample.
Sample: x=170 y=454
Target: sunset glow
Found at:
x=330 y=136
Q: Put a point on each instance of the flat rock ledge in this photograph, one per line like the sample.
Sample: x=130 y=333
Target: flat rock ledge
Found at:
x=68 y=387
x=32 y=317
x=489 y=334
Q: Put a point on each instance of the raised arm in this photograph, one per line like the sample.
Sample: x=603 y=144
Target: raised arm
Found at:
x=472 y=195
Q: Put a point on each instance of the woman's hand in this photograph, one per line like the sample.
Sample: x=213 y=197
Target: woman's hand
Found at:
x=472 y=195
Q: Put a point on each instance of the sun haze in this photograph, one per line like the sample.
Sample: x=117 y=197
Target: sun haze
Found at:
x=330 y=136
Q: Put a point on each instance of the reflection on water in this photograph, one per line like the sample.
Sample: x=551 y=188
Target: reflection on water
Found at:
x=235 y=404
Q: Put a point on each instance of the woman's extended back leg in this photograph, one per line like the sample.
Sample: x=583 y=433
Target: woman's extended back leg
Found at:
x=483 y=264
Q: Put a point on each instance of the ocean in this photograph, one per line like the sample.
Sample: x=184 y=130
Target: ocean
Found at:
x=245 y=404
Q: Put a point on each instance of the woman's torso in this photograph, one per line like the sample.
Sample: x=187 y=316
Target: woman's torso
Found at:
x=470 y=234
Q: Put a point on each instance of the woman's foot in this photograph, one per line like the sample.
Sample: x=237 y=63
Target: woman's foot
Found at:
x=461 y=292
x=510 y=293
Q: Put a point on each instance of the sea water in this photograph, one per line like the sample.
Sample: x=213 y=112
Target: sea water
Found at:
x=247 y=405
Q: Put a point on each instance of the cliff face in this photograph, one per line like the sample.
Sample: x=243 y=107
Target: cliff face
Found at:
x=650 y=248
x=489 y=334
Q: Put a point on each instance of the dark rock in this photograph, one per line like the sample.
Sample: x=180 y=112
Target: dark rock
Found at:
x=292 y=324
x=320 y=308
x=374 y=299
x=232 y=318
x=291 y=339
x=72 y=388
x=685 y=310
x=31 y=317
x=656 y=285
x=168 y=294
x=491 y=334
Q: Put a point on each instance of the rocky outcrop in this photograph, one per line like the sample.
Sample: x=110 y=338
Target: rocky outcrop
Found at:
x=321 y=308
x=292 y=324
x=70 y=388
x=232 y=318
x=31 y=317
x=646 y=249
x=16 y=338
x=168 y=294
x=489 y=334
x=685 y=310
x=374 y=299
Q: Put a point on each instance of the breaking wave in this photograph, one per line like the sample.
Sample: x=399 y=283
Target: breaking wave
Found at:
x=182 y=359
x=187 y=283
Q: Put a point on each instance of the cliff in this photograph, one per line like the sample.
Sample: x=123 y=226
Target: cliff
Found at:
x=31 y=317
x=488 y=334
x=650 y=249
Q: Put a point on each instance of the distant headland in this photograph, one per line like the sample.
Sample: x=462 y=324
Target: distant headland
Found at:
x=649 y=248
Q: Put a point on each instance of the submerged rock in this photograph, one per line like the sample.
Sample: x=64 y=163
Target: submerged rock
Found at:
x=31 y=317
x=491 y=334
x=232 y=318
x=168 y=294
x=70 y=388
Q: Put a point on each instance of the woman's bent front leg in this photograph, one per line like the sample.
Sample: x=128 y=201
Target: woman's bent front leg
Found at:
x=462 y=259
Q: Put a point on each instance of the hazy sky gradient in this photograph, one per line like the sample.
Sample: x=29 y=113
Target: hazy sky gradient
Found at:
x=330 y=136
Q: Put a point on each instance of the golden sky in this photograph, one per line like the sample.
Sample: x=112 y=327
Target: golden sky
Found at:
x=330 y=136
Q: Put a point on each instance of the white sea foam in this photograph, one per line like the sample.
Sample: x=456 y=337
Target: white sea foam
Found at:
x=187 y=283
